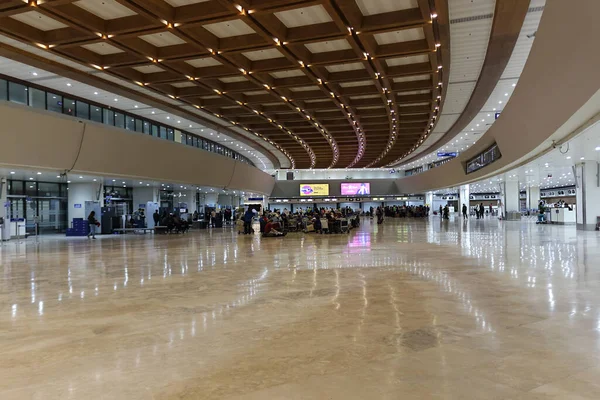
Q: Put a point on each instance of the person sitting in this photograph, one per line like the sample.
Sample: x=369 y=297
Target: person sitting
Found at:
x=270 y=230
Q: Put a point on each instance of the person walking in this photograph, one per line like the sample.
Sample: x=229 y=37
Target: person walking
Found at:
x=481 y=210
x=464 y=211
x=92 y=222
x=446 y=212
x=248 y=217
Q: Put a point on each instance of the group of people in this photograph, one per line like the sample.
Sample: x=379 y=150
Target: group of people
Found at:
x=411 y=211
x=172 y=222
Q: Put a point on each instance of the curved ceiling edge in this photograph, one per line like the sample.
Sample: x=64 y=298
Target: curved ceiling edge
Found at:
x=509 y=16
x=66 y=71
x=552 y=90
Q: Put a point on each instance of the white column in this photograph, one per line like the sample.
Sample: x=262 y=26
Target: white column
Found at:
x=5 y=231
x=191 y=200
x=533 y=197
x=429 y=199
x=510 y=197
x=79 y=193
x=464 y=194
x=587 y=177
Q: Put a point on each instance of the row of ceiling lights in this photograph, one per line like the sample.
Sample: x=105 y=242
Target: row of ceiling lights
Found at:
x=34 y=3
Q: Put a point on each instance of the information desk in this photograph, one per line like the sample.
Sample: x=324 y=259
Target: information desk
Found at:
x=562 y=216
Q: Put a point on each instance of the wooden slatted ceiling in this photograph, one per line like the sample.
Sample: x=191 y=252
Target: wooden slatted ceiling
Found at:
x=335 y=83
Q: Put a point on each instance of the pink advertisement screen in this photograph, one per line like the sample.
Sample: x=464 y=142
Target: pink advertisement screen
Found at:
x=356 y=189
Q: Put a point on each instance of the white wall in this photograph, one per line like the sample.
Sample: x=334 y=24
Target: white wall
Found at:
x=144 y=195
x=79 y=193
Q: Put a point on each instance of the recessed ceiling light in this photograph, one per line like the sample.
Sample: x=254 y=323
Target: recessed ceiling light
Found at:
x=168 y=117
x=598 y=148
x=153 y=112
x=135 y=106
x=500 y=102
x=39 y=173
x=96 y=93
x=116 y=99
x=506 y=94
x=68 y=84
x=514 y=84
x=582 y=158
x=34 y=73
x=68 y=181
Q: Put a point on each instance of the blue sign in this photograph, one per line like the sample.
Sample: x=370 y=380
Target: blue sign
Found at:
x=17 y=220
x=7 y=204
x=142 y=206
x=497 y=115
x=452 y=154
x=77 y=205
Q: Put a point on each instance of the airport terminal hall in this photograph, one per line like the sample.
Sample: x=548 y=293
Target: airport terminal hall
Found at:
x=299 y=200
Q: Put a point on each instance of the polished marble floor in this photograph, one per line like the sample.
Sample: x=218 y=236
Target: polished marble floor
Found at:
x=408 y=310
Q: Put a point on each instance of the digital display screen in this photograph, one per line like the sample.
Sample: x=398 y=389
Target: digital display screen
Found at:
x=356 y=189
x=310 y=189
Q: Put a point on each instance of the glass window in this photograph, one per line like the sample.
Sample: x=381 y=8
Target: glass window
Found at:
x=31 y=188
x=17 y=93
x=37 y=98
x=212 y=147
x=119 y=120
x=205 y=145
x=155 y=130
x=170 y=134
x=130 y=123
x=83 y=110
x=109 y=117
x=146 y=127
x=195 y=141
x=163 y=132
x=54 y=102
x=15 y=188
x=69 y=106
x=139 y=125
x=46 y=189
x=96 y=113
x=3 y=90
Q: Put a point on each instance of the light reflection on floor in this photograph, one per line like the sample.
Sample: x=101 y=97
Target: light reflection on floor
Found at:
x=408 y=309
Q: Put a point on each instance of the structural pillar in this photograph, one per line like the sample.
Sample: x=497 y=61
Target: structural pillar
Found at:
x=587 y=178
x=533 y=197
x=4 y=229
x=464 y=196
x=191 y=201
x=509 y=195
x=429 y=200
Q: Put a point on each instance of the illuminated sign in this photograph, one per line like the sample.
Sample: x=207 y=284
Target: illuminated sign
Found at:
x=314 y=189
x=356 y=189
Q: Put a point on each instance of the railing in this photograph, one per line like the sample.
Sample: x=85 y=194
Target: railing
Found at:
x=36 y=96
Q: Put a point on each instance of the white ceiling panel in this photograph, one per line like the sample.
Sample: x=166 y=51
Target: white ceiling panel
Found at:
x=469 y=42
x=148 y=69
x=304 y=88
x=345 y=67
x=263 y=54
x=102 y=48
x=38 y=21
x=233 y=79
x=457 y=97
x=162 y=39
x=304 y=16
x=459 y=9
x=392 y=62
x=203 y=62
x=404 y=35
x=287 y=74
x=357 y=84
x=411 y=78
x=330 y=45
x=235 y=27
x=105 y=9
x=183 y=84
x=372 y=7
x=445 y=122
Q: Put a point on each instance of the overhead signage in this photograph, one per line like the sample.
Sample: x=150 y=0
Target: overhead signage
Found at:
x=314 y=189
x=356 y=189
x=77 y=205
x=497 y=115
x=451 y=154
